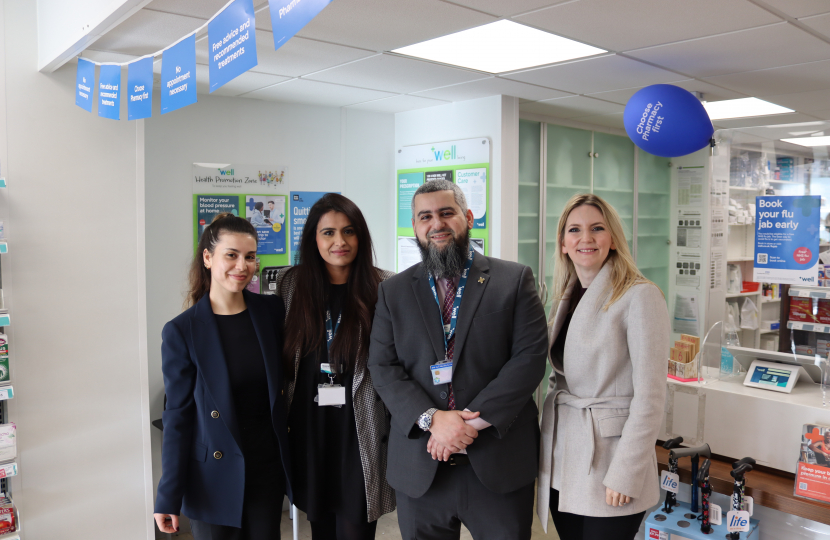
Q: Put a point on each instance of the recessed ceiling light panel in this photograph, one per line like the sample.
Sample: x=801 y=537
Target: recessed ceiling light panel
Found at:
x=809 y=141
x=743 y=108
x=499 y=47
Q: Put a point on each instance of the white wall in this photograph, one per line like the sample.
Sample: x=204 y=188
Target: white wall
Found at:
x=324 y=148
x=496 y=117
x=66 y=28
x=74 y=289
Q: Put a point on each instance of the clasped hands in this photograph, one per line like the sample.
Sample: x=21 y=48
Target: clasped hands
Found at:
x=450 y=433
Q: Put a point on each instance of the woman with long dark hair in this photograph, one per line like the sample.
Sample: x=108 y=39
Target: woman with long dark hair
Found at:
x=338 y=427
x=225 y=458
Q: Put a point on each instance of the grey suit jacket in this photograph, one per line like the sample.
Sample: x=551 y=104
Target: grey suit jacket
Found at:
x=604 y=406
x=500 y=351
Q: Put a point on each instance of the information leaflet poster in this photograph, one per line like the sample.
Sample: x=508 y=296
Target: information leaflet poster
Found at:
x=812 y=475
x=253 y=192
x=787 y=239
x=301 y=203
x=465 y=162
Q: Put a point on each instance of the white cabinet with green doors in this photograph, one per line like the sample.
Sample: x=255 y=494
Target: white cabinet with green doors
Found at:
x=556 y=162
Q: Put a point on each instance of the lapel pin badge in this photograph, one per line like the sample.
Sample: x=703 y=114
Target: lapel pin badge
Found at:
x=481 y=280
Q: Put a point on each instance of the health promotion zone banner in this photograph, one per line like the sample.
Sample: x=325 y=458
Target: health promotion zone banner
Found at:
x=464 y=162
x=255 y=193
x=787 y=239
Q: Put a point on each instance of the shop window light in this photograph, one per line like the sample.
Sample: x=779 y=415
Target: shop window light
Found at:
x=742 y=108
x=499 y=47
x=810 y=141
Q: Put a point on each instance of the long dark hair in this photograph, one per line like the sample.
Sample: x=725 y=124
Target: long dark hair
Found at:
x=305 y=325
x=199 y=276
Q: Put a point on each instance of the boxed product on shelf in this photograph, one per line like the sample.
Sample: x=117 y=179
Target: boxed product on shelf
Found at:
x=5 y=375
x=8 y=441
x=8 y=523
x=801 y=309
x=805 y=342
x=770 y=325
x=823 y=312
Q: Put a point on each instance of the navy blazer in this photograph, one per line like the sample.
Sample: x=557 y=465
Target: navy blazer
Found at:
x=203 y=469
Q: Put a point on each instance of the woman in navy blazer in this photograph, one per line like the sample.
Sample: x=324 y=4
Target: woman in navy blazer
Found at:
x=225 y=457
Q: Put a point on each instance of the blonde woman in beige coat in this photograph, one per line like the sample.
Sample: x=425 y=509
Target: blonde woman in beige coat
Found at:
x=609 y=336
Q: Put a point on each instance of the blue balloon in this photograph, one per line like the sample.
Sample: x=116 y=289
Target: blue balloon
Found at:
x=668 y=121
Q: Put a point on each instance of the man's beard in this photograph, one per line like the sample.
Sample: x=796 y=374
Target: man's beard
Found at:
x=447 y=262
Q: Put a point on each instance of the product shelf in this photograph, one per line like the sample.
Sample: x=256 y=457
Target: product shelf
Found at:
x=739 y=188
x=772 y=301
x=740 y=259
x=809 y=327
x=770 y=331
x=528 y=214
x=738 y=295
x=811 y=292
x=528 y=184
x=532 y=241
x=614 y=190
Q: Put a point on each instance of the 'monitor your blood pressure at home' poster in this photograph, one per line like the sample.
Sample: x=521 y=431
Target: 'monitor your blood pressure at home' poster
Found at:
x=787 y=239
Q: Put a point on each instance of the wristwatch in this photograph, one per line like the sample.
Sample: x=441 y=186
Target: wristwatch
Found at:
x=425 y=420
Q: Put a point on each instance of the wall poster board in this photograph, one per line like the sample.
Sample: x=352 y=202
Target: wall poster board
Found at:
x=257 y=193
x=464 y=162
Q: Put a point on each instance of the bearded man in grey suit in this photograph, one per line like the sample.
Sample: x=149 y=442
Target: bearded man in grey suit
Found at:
x=459 y=344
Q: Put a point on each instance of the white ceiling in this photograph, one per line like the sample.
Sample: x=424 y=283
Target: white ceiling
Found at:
x=778 y=50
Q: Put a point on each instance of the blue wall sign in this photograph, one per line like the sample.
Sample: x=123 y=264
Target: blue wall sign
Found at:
x=84 y=84
x=787 y=239
x=290 y=16
x=668 y=121
x=109 y=92
x=140 y=89
x=232 y=42
x=178 y=75
x=300 y=203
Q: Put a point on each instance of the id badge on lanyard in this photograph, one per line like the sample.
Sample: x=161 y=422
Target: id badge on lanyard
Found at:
x=442 y=371
x=330 y=394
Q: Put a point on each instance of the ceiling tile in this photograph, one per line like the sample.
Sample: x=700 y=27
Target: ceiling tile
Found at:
x=820 y=23
x=824 y=115
x=297 y=57
x=572 y=107
x=800 y=8
x=598 y=74
x=395 y=74
x=710 y=92
x=492 y=87
x=607 y=120
x=382 y=25
x=808 y=102
x=147 y=32
x=783 y=80
x=246 y=82
x=317 y=93
x=771 y=46
x=201 y=9
x=789 y=118
x=633 y=24
x=398 y=104
x=507 y=9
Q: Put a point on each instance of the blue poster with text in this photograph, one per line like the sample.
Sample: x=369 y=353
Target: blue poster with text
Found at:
x=787 y=239
x=232 y=42
x=290 y=16
x=85 y=80
x=140 y=89
x=178 y=75
x=301 y=203
x=267 y=214
x=109 y=92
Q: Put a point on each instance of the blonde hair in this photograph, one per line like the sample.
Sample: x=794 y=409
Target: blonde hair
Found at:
x=624 y=271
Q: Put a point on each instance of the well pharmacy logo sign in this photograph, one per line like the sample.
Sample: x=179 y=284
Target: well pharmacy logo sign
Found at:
x=463 y=152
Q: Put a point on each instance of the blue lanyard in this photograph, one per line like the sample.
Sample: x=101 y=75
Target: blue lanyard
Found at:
x=329 y=332
x=456 y=304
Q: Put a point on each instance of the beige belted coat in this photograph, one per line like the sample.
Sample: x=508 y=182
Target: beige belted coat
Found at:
x=604 y=406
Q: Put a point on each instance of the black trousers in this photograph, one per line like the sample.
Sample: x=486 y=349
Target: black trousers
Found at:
x=261 y=510
x=457 y=496
x=336 y=527
x=576 y=527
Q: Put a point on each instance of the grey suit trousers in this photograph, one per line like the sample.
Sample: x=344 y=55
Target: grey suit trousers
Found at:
x=457 y=496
